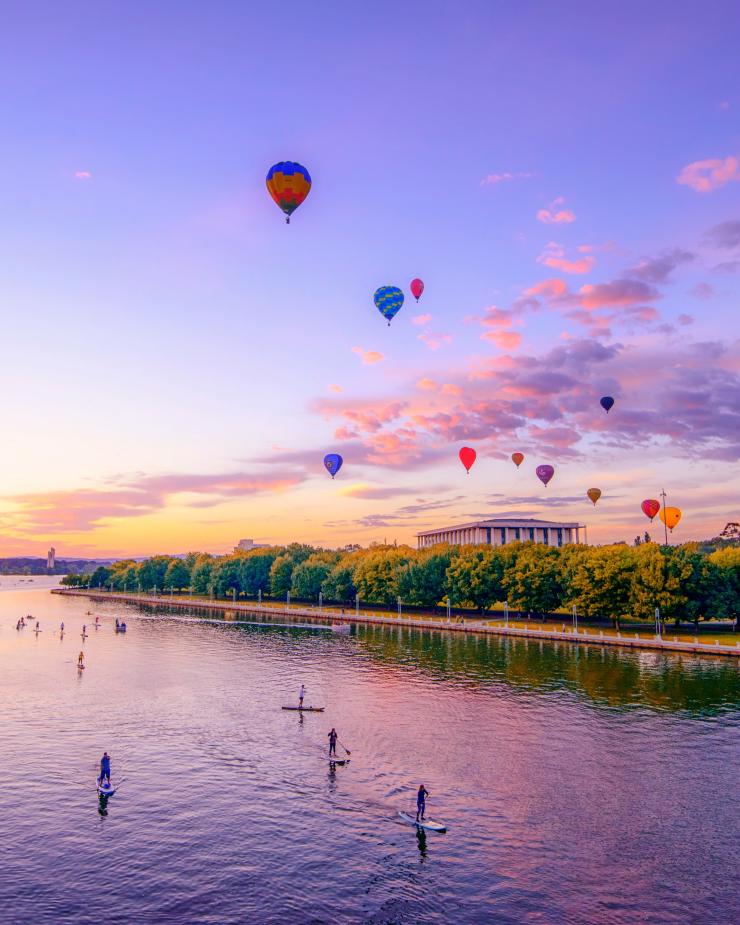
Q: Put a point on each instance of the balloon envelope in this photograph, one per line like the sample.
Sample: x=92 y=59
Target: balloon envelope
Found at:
x=607 y=403
x=388 y=300
x=333 y=463
x=517 y=459
x=650 y=507
x=417 y=287
x=467 y=457
x=594 y=494
x=545 y=473
x=670 y=517
x=288 y=183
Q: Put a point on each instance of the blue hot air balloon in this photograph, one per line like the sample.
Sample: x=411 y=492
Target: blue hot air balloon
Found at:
x=388 y=300
x=607 y=403
x=333 y=463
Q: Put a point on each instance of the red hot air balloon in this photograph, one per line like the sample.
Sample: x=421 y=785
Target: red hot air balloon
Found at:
x=517 y=459
x=417 y=287
x=650 y=507
x=467 y=457
x=544 y=474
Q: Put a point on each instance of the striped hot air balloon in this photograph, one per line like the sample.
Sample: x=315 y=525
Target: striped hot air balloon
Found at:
x=288 y=183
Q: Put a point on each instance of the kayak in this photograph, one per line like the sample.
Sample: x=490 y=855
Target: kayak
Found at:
x=429 y=824
x=105 y=790
x=306 y=709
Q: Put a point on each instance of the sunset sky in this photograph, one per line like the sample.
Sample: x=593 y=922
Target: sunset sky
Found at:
x=176 y=360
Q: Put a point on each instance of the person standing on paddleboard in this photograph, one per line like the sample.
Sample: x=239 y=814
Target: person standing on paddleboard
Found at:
x=81 y=660
x=421 y=801
x=301 y=695
x=333 y=742
x=104 y=769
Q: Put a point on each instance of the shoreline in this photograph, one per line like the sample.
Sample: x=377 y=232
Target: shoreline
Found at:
x=369 y=618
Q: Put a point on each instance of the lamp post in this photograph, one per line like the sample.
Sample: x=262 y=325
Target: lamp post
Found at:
x=259 y=596
x=506 y=614
x=233 y=595
x=665 y=524
x=287 y=600
x=657 y=622
x=321 y=599
x=190 y=589
x=399 y=605
x=575 y=619
x=357 y=604
x=449 y=610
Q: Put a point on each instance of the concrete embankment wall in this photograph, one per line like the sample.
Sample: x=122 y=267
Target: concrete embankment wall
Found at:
x=365 y=617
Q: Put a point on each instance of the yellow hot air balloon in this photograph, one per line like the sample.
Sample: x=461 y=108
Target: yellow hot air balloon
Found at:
x=670 y=517
x=594 y=494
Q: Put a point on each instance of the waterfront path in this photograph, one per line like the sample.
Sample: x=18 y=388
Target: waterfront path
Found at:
x=566 y=634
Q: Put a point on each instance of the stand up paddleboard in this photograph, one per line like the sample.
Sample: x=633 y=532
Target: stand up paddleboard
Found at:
x=105 y=790
x=428 y=824
x=306 y=709
x=334 y=760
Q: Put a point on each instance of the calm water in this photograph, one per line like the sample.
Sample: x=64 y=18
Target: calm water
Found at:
x=578 y=785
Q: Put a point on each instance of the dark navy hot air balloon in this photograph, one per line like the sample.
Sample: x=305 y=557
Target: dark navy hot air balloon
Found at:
x=388 y=300
x=607 y=403
x=333 y=463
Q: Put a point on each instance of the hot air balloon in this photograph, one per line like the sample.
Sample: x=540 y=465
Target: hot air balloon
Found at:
x=467 y=457
x=607 y=403
x=517 y=459
x=650 y=507
x=388 y=300
x=417 y=287
x=544 y=474
x=594 y=494
x=288 y=184
x=333 y=463
x=670 y=517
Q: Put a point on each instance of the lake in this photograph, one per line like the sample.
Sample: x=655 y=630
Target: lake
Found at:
x=578 y=784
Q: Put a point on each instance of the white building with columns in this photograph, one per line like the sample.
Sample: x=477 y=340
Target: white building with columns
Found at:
x=497 y=531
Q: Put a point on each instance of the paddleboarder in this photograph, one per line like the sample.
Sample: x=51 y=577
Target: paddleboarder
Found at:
x=333 y=742
x=421 y=801
x=301 y=695
x=104 y=769
x=81 y=660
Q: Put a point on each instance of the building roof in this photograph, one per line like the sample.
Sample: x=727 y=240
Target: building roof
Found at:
x=504 y=522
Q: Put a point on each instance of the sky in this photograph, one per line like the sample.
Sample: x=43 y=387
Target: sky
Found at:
x=176 y=360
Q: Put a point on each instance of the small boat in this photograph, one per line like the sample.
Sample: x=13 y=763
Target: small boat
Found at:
x=428 y=824
x=306 y=709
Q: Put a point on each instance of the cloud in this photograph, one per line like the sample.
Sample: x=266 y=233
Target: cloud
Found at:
x=335 y=388
x=659 y=269
x=708 y=175
x=426 y=385
x=702 y=291
x=83 y=175
x=435 y=341
x=554 y=215
x=493 y=178
x=450 y=388
x=89 y=509
x=506 y=340
x=554 y=256
x=607 y=247
x=724 y=235
x=550 y=288
x=365 y=491
x=421 y=320
x=618 y=292
x=368 y=357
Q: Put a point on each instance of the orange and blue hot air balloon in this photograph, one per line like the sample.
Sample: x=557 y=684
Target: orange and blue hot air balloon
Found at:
x=288 y=183
x=388 y=300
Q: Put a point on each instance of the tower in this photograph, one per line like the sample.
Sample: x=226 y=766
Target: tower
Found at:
x=51 y=558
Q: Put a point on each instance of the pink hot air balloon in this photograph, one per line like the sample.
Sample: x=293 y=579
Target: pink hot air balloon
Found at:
x=650 y=507
x=417 y=287
x=545 y=473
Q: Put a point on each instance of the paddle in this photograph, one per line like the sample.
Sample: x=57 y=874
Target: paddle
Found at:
x=345 y=748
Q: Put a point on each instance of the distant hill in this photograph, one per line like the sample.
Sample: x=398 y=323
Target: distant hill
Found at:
x=34 y=565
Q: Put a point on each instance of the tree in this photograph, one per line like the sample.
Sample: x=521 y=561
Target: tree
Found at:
x=377 y=573
x=474 y=577
x=423 y=582
x=227 y=575
x=656 y=582
x=339 y=584
x=152 y=572
x=100 y=577
x=281 y=575
x=535 y=582
x=601 y=582
x=177 y=575
x=255 y=570
x=202 y=575
x=309 y=576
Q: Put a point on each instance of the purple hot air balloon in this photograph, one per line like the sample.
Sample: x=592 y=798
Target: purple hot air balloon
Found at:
x=545 y=473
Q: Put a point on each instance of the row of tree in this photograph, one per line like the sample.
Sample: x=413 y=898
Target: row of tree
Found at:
x=609 y=582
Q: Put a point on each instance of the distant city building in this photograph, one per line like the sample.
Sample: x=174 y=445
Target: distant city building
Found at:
x=51 y=558
x=497 y=531
x=246 y=545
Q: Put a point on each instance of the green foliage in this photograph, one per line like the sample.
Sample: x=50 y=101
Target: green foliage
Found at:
x=152 y=572
x=100 y=577
x=376 y=574
x=599 y=580
x=474 y=577
x=309 y=576
x=177 y=575
x=281 y=575
x=202 y=574
x=535 y=582
x=255 y=570
x=423 y=582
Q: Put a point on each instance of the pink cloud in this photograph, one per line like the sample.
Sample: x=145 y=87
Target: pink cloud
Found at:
x=450 y=388
x=618 y=292
x=83 y=175
x=426 y=385
x=506 y=340
x=335 y=388
x=368 y=357
x=711 y=174
x=605 y=248
x=550 y=288
x=555 y=216
x=554 y=256
x=421 y=320
x=435 y=341
x=494 y=178
x=702 y=291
